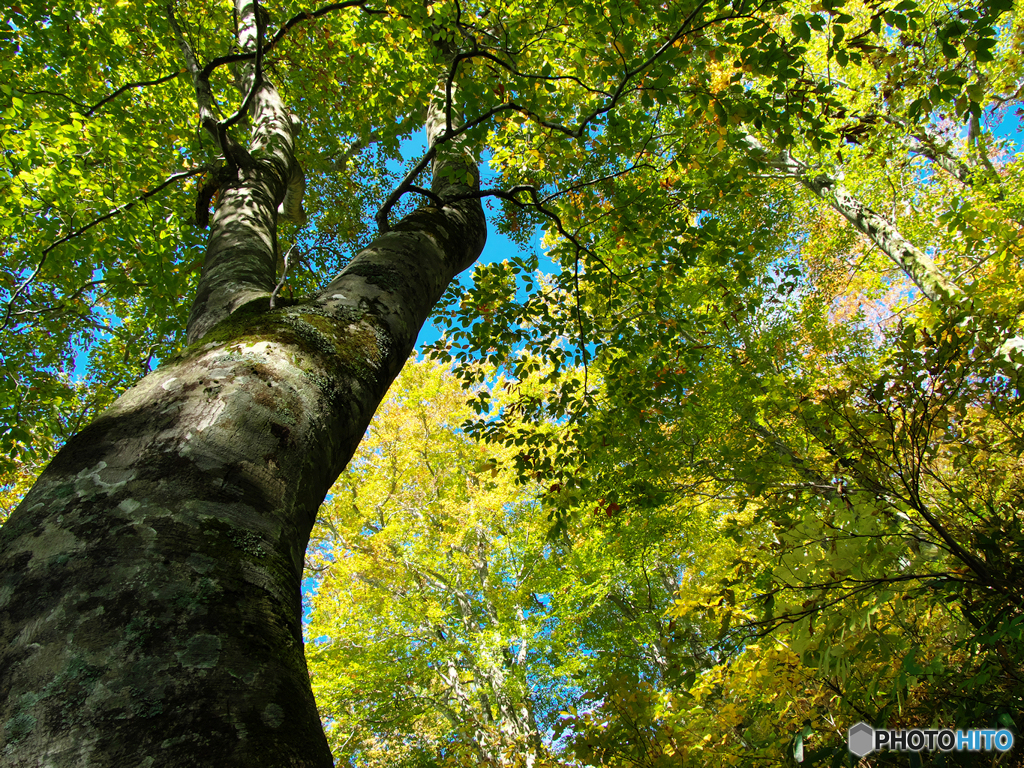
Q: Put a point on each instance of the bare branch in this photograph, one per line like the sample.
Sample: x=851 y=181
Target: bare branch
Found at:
x=284 y=275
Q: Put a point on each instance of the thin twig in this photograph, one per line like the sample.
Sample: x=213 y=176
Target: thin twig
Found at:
x=75 y=233
x=129 y=86
x=70 y=298
x=279 y=35
x=579 y=321
x=284 y=274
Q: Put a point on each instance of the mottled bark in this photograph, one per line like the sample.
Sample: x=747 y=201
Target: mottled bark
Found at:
x=967 y=169
x=241 y=255
x=149 y=581
x=911 y=260
x=921 y=140
x=938 y=153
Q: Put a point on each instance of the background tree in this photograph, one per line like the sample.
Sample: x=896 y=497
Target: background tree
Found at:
x=428 y=561
x=447 y=627
x=772 y=361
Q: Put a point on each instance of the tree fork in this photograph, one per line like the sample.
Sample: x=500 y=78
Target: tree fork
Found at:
x=150 y=609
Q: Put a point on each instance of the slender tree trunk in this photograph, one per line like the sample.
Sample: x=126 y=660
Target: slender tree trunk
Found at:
x=150 y=609
x=911 y=260
x=914 y=263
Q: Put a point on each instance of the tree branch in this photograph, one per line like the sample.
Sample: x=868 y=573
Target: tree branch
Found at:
x=576 y=132
x=100 y=219
x=233 y=58
x=90 y=111
x=257 y=72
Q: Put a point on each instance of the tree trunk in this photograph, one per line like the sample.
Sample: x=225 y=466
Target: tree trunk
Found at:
x=911 y=260
x=150 y=608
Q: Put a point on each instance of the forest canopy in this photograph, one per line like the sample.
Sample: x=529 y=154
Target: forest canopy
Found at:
x=725 y=458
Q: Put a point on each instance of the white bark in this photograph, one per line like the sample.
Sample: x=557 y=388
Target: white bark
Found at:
x=914 y=263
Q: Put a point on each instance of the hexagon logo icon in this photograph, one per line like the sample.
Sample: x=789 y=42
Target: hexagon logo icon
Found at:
x=860 y=739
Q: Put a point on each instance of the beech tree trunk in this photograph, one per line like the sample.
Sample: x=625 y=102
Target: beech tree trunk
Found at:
x=150 y=610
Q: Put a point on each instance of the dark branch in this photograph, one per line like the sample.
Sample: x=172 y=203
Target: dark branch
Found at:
x=511 y=106
x=435 y=199
x=285 y=28
x=73 y=296
x=331 y=8
x=98 y=220
x=128 y=87
x=220 y=61
x=405 y=186
x=88 y=111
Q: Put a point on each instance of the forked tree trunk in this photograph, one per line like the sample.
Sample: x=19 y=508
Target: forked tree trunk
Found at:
x=150 y=609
